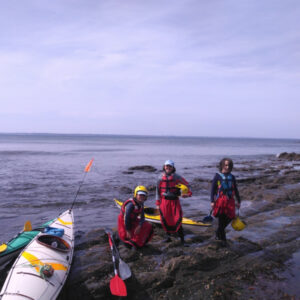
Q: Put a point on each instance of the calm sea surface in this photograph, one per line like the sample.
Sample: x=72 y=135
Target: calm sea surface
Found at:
x=40 y=173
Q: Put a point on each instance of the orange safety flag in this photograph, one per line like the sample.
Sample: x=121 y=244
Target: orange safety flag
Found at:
x=88 y=166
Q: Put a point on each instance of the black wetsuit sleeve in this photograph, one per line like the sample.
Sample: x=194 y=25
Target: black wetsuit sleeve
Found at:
x=214 y=188
x=142 y=220
x=128 y=210
x=236 y=191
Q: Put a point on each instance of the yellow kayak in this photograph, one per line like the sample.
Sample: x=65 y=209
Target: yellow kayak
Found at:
x=152 y=215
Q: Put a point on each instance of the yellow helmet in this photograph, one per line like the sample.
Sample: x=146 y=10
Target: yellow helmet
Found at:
x=140 y=189
x=237 y=224
x=183 y=188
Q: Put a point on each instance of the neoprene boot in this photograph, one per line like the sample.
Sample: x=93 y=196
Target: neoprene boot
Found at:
x=181 y=235
x=184 y=244
x=223 y=243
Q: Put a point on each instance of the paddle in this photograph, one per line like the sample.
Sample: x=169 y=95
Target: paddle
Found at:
x=117 y=285
x=86 y=170
x=124 y=269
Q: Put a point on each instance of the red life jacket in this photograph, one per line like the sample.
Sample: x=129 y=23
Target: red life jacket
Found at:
x=168 y=185
x=170 y=208
x=146 y=232
x=135 y=213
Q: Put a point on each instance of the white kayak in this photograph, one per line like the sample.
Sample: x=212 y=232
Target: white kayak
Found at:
x=42 y=268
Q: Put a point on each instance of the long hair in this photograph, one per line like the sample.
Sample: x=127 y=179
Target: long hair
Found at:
x=222 y=163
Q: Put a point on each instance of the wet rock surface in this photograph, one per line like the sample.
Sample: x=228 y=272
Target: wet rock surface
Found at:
x=289 y=156
x=144 y=168
x=260 y=262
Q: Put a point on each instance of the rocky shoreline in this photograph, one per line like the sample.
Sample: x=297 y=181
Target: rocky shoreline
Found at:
x=260 y=262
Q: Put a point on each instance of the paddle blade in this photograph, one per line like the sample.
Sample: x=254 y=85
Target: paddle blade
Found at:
x=88 y=166
x=27 y=226
x=3 y=247
x=124 y=270
x=118 y=287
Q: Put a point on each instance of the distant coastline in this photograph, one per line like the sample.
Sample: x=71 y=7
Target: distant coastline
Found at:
x=140 y=136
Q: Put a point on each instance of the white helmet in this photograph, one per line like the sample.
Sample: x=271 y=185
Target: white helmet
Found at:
x=169 y=162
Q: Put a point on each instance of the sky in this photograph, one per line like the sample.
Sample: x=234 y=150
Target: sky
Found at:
x=156 y=67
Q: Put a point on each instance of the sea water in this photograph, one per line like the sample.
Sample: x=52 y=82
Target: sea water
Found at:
x=40 y=173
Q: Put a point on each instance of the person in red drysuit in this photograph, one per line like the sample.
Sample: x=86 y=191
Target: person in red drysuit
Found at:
x=132 y=228
x=168 y=203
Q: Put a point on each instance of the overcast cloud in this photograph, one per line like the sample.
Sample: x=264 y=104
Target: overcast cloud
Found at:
x=198 y=68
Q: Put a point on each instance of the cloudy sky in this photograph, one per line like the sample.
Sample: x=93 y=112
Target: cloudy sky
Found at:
x=155 y=67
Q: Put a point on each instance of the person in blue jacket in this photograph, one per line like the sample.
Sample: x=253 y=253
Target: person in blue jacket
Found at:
x=223 y=193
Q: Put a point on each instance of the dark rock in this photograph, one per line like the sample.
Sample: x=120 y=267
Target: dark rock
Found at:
x=125 y=190
x=145 y=168
x=151 y=188
x=251 y=179
x=289 y=156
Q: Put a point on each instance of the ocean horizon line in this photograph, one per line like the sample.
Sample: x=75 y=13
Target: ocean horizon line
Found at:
x=141 y=135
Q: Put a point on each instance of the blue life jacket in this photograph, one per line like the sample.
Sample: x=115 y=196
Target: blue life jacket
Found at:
x=226 y=185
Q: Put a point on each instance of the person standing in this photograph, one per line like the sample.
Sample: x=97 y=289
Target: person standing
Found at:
x=168 y=203
x=132 y=228
x=223 y=193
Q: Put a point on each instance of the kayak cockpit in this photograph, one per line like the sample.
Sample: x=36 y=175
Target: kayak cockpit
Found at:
x=54 y=242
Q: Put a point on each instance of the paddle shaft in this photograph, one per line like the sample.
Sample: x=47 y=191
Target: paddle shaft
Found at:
x=87 y=169
x=111 y=240
x=112 y=253
x=114 y=246
x=78 y=191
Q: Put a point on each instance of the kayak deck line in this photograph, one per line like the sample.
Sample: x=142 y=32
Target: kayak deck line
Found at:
x=17 y=294
x=68 y=237
x=64 y=226
x=28 y=273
